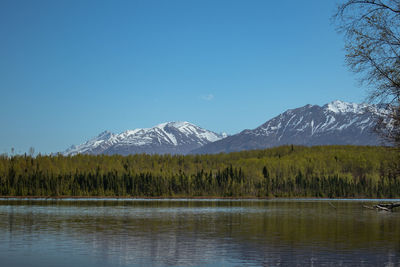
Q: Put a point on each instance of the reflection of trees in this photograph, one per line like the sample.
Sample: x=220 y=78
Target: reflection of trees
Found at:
x=195 y=232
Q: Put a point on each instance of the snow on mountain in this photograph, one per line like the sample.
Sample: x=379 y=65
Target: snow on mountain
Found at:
x=93 y=146
x=165 y=138
x=335 y=123
x=343 y=107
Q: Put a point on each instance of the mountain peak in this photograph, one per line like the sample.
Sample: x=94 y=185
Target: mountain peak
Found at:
x=105 y=134
x=336 y=123
x=175 y=124
x=177 y=137
x=338 y=106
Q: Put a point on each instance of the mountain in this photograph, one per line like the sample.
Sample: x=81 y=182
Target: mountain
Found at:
x=336 y=123
x=165 y=138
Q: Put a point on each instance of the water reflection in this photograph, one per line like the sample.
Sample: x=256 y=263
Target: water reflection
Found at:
x=196 y=232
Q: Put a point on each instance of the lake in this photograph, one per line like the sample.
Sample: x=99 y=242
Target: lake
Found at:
x=139 y=232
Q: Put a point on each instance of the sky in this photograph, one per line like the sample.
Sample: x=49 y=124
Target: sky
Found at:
x=71 y=69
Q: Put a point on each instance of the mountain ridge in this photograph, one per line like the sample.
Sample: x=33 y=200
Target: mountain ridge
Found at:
x=178 y=137
x=335 y=123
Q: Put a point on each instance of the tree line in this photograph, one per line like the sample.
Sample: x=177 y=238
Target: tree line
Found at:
x=287 y=171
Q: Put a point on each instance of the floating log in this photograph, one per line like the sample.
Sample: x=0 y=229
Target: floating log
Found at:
x=379 y=207
x=332 y=205
x=384 y=206
x=390 y=206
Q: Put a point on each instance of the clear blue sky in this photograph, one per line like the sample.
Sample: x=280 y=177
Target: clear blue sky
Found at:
x=71 y=69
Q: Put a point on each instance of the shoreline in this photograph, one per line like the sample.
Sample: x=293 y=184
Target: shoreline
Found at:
x=182 y=198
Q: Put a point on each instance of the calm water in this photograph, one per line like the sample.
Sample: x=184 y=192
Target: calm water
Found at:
x=197 y=233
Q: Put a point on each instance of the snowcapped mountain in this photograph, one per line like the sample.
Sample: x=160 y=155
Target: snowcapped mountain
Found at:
x=336 y=123
x=165 y=138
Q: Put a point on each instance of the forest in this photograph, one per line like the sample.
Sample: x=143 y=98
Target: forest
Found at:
x=286 y=171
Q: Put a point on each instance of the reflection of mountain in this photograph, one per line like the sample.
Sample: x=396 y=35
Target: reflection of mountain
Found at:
x=184 y=233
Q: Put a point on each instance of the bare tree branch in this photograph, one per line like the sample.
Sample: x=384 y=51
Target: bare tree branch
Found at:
x=372 y=42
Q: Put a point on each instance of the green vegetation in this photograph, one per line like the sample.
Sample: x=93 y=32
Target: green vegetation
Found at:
x=287 y=171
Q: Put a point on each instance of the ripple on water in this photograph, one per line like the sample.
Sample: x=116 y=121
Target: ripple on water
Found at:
x=196 y=232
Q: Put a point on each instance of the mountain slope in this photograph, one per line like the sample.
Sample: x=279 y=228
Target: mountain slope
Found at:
x=336 y=123
x=165 y=138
